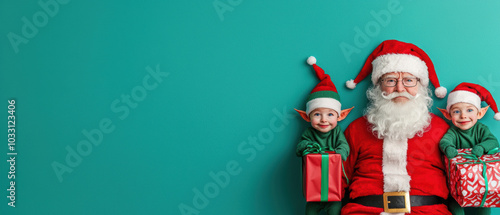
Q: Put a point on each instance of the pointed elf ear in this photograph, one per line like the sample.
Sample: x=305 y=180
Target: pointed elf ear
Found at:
x=445 y=113
x=304 y=115
x=344 y=113
x=482 y=112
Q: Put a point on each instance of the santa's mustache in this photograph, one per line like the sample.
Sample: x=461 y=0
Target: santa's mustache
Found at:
x=396 y=94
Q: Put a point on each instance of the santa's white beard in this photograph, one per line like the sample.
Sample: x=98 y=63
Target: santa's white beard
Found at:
x=398 y=121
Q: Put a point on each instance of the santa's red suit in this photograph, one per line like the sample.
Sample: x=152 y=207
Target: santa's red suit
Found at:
x=420 y=165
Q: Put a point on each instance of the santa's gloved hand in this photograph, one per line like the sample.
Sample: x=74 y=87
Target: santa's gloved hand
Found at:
x=478 y=150
x=451 y=152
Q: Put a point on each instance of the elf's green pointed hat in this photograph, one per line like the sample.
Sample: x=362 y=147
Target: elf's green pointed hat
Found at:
x=324 y=95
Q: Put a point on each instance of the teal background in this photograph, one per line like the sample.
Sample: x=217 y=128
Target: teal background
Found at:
x=232 y=79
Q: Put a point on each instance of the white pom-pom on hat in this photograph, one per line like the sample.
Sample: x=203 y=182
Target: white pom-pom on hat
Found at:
x=350 y=84
x=497 y=116
x=311 y=60
x=440 y=92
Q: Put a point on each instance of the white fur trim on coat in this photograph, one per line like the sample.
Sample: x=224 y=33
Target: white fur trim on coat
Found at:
x=394 y=160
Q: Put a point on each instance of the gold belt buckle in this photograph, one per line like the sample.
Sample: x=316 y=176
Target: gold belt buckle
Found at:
x=406 y=196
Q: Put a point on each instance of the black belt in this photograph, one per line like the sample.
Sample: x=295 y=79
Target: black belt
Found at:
x=396 y=202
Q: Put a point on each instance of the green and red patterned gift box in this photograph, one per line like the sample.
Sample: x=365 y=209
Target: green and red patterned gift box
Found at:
x=473 y=181
x=322 y=177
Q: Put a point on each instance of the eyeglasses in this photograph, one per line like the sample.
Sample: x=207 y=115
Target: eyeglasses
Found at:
x=392 y=82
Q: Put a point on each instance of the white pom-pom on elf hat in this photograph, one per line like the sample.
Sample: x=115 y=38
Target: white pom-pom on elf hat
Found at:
x=396 y=56
x=473 y=94
x=311 y=60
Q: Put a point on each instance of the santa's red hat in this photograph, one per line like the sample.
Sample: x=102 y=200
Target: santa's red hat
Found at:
x=324 y=95
x=397 y=56
x=473 y=94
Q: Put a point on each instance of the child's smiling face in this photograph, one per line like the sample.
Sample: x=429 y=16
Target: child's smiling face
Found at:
x=464 y=115
x=323 y=119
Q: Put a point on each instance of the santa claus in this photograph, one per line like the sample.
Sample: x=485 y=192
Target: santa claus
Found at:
x=395 y=165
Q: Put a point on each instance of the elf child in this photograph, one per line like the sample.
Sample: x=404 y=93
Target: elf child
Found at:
x=323 y=112
x=464 y=109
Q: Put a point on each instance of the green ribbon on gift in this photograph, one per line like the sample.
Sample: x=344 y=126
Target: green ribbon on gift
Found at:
x=477 y=160
x=317 y=149
x=492 y=151
x=324 y=176
x=314 y=148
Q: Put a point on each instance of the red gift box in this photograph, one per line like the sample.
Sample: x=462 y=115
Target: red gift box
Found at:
x=322 y=177
x=466 y=179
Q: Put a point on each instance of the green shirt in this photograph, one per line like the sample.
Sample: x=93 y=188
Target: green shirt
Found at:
x=479 y=134
x=333 y=140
